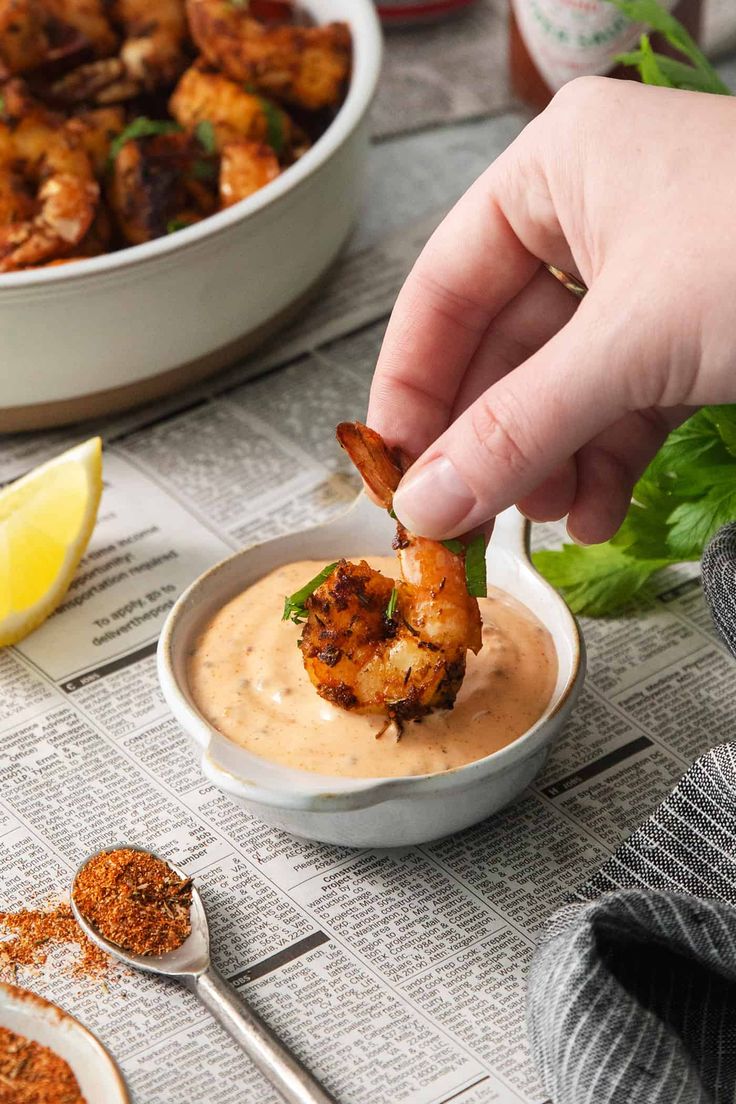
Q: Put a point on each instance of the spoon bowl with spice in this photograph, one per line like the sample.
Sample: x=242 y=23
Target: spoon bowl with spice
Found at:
x=46 y=1054
x=148 y=914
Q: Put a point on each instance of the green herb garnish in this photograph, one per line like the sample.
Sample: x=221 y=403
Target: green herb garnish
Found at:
x=204 y=170
x=391 y=607
x=2 y=105
x=294 y=608
x=175 y=224
x=275 y=130
x=475 y=567
x=204 y=132
x=141 y=128
x=475 y=563
x=684 y=496
x=698 y=76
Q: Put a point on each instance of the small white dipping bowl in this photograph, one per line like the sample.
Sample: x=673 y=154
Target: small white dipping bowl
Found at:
x=369 y=812
x=100 y=1080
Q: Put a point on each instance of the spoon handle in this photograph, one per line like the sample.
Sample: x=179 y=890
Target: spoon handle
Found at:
x=282 y=1068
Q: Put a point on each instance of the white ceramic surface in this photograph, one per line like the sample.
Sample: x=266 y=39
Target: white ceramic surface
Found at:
x=360 y=812
x=120 y=319
x=99 y=1078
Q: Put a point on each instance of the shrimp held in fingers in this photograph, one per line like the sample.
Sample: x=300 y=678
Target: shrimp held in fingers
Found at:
x=375 y=645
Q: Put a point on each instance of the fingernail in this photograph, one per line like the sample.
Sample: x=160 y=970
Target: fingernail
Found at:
x=576 y=540
x=529 y=517
x=434 y=500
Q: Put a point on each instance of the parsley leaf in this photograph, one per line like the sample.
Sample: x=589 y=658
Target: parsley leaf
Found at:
x=724 y=419
x=175 y=224
x=657 y=69
x=475 y=567
x=294 y=607
x=204 y=170
x=693 y=523
x=475 y=563
x=275 y=128
x=141 y=128
x=204 y=132
x=598 y=580
x=686 y=494
x=650 y=65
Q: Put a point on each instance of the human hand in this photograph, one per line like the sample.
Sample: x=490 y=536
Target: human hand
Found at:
x=509 y=391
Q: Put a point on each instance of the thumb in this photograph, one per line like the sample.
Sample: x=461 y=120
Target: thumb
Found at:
x=529 y=422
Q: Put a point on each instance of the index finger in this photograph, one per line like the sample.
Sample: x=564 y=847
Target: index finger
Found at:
x=484 y=253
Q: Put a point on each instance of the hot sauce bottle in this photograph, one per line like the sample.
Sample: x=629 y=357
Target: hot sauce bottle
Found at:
x=553 y=41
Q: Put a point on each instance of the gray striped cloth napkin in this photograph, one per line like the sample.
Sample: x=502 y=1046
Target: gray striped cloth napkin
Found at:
x=632 y=992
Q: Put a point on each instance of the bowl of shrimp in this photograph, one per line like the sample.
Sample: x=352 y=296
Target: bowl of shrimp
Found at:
x=176 y=176
x=406 y=690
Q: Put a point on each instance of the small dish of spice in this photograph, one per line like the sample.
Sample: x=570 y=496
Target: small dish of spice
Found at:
x=48 y=1057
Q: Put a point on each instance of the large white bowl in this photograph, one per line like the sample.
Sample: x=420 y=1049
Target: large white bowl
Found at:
x=100 y=1080
x=81 y=339
x=369 y=812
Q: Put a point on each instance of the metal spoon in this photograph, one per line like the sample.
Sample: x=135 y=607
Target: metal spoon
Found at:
x=190 y=965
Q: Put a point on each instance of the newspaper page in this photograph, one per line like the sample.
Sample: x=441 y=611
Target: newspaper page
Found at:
x=458 y=69
x=398 y=976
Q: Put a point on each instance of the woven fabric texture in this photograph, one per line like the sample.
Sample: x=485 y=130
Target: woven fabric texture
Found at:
x=632 y=992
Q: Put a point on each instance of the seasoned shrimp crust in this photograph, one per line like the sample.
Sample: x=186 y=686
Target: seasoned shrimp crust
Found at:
x=378 y=645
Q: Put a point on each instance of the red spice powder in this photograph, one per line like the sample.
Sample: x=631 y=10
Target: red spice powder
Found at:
x=34 y=1074
x=35 y=931
x=135 y=900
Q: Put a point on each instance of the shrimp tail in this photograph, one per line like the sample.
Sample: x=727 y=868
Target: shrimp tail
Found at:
x=380 y=466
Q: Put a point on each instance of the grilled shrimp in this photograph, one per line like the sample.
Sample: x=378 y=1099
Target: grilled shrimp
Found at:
x=305 y=66
x=402 y=660
x=48 y=187
x=202 y=95
x=245 y=167
x=37 y=32
x=89 y=19
x=95 y=130
x=151 y=56
x=158 y=185
x=24 y=42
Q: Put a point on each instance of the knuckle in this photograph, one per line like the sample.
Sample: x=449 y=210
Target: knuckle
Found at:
x=463 y=310
x=500 y=435
x=582 y=94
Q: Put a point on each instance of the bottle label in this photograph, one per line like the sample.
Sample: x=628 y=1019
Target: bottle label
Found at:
x=572 y=38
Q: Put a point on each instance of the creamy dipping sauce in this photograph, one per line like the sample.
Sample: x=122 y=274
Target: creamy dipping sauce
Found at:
x=247 y=678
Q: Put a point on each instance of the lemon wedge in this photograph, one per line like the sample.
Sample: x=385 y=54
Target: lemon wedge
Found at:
x=46 y=520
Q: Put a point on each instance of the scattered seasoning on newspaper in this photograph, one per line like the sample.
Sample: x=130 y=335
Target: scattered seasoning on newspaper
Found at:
x=135 y=900
x=34 y=932
x=34 y=1074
